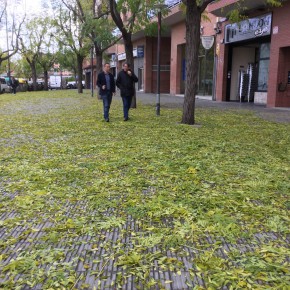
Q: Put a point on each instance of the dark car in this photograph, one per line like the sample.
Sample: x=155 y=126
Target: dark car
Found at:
x=39 y=85
x=71 y=85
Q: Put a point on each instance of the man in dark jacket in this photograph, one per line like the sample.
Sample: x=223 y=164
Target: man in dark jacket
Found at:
x=126 y=83
x=107 y=86
x=14 y=84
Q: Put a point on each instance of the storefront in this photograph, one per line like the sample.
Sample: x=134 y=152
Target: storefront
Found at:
x=248 y=59
x=253 y=56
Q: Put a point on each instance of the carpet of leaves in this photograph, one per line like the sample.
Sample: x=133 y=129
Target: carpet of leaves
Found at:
x=144 y=204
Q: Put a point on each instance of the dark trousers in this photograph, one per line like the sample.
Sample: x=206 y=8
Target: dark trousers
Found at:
x=126 y=105
x=13 y=90
x=107 y=100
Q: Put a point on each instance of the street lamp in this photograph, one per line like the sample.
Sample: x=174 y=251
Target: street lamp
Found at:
x=92 y=70
x=7 y=40
x=159 y=7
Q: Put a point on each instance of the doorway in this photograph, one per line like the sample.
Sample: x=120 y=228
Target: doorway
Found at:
x=141 y=79
x=244 y=60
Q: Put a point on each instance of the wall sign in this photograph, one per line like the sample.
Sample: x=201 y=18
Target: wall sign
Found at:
x=207 y=41
x=248 y=29
x=140 y=51
x=275 y=30
x=122 y=56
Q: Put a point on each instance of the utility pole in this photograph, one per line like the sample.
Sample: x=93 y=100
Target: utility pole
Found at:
x=7 y=42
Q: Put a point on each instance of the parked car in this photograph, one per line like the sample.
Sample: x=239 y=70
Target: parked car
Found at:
x=39 y=85
x=23 y=85
x=73 y=85
x=55 y=82
x=4 y=87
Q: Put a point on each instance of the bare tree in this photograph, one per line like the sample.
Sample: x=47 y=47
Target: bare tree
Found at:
x=13 y=28
x=31 y=44
x=69 y=33
x=96 y=25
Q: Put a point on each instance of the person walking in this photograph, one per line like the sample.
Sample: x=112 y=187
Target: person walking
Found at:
x=107 y=86
x=14 y=84
x=126 y=83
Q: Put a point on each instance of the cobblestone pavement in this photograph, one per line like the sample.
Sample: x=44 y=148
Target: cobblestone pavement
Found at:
x=281 y=115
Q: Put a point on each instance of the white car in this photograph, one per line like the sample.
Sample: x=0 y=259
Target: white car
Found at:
x=73 y=85
x=4 y=87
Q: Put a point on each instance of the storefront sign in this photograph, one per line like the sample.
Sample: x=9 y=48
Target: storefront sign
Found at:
x=248 y=29
x=140 y=51
x=207 y=41
x=121 y=56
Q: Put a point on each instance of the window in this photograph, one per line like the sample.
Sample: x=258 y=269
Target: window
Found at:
x=264 y=60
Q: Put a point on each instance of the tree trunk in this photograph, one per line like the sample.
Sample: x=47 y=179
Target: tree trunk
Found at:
x=34 y=75
x=45 y=80
x=130 y=59
x=193 y=17
x=99 y=64
x=99 y=61
x=80 y=73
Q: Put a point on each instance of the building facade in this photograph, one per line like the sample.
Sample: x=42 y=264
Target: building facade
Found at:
x=253 y=56
x=172 y=56
x=249 y=61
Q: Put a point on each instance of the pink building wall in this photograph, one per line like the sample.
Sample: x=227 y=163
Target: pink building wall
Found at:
x=178 y=34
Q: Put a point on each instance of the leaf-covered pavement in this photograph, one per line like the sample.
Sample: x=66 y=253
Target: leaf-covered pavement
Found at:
x=144 y=204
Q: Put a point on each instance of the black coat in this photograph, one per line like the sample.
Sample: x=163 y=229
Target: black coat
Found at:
x=101 y=81
x=126 y=83
x=14 y=83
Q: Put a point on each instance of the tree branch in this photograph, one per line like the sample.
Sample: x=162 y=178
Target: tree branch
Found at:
x=116 y=17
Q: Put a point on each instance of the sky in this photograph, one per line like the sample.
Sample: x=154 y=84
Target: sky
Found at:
x=19 y=8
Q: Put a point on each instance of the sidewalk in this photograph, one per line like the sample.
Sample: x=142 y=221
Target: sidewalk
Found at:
x=89 y=205
x=280 y=115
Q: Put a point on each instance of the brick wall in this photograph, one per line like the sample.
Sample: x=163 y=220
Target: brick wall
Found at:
x=165 y=52
x=280 y=58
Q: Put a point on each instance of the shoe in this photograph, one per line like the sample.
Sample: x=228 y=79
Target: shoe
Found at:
x=107 y=120
x=126 y=119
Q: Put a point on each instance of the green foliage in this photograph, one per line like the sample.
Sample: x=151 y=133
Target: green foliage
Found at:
x=145 y=195
x=67 y=59
x=138 y=14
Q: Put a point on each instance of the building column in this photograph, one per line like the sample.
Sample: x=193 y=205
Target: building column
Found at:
x=148 y=55
x=222 y=67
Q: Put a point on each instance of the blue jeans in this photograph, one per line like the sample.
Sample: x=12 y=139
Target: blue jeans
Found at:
x=126 y=105
x=107 y=100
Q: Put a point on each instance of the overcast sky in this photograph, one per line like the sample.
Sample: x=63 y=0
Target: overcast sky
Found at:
x=19 y=8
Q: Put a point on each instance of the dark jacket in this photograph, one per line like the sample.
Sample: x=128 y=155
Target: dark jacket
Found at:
x=126 y=83
x=101 y=81
x=14 y=83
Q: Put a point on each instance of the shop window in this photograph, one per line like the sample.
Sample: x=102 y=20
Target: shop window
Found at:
x=206 y=63
x=264 y=61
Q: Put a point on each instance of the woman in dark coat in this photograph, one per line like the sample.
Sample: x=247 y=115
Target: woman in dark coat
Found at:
x=126 y=83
